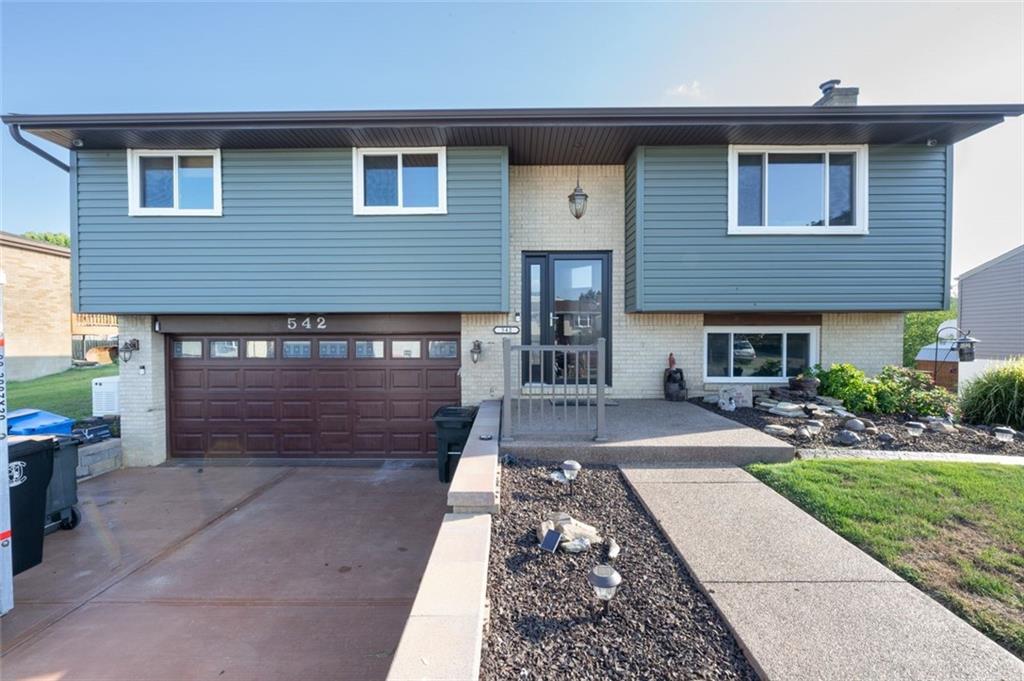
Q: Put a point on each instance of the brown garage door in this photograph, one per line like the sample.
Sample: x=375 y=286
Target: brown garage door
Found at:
x=317 y=396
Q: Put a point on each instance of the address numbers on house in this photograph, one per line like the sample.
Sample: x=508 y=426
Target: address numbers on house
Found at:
x=311 y=322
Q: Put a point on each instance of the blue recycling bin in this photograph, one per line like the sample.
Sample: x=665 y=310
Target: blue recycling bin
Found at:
x=38 y=422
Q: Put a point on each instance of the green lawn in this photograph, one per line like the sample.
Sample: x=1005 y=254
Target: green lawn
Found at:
x=68 y=393
x=955 y=530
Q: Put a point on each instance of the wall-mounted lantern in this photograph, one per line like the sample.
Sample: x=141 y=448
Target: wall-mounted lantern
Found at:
x=578 y=198
x=475 y=351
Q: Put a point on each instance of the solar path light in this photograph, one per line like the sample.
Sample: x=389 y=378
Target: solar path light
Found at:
x=605 y=581
x=570 y=469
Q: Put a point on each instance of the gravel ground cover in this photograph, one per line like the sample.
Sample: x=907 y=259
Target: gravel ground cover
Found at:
x=545 y=623
x=972 y=439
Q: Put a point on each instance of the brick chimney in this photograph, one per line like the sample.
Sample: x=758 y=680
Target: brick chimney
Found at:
x=833 y=95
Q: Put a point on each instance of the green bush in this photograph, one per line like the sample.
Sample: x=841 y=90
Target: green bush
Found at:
x=895 y=390
x=898 y=389
x=849 y=384
x=996 y=397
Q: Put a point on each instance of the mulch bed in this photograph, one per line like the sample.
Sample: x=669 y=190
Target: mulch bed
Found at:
x=970 y=439
x=544 y=617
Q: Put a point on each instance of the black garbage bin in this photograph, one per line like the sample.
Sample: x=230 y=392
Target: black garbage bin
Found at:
x=29 y=472
x=453 y=424
x=62 y=494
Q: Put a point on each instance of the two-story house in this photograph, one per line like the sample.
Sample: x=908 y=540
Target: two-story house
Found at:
x=315 y=284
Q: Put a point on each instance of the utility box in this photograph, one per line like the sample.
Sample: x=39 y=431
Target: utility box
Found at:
x=104 y=396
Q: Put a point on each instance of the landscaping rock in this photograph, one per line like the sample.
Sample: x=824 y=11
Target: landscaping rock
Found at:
x=544 y=621
x=543 y=529
x=856 y=425
x=573 y=529
x=613 y=549
x=886 y=438
x=794 y=413
x=941 y=427
x=558 y=476
x=578 y=545
x=848 y=438
x=871 y=430
x=803 y=433
x=778 y=430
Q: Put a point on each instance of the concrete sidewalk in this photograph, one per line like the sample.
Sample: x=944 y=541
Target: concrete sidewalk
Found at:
x=802 y=601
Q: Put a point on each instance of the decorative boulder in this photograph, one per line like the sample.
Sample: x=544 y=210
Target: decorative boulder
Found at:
x=803 y=433
x=778 y=430
x=886 y=438
x=941 y=427
x=856 y=425
x=847 y=438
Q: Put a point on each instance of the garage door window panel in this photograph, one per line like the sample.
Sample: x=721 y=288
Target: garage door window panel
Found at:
x=224 y=349
x=260 y=349
x=187 y=349
x=333 y=349
x=443 y=349
x=370 y=349
x=405 y=349
x=296 y=349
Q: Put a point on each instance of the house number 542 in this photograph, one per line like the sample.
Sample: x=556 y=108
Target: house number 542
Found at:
x=307 y=323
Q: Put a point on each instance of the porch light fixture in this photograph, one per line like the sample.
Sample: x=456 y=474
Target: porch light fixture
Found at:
x=605 y=581
x=124 y=353
x=1004 y=433
x=578 y=198
x=570 y=469
x=475 y=351
x=914 y=428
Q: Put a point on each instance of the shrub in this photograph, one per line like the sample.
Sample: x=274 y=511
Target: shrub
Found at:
x=996 y=397
x=895 y=390
x=898 y=389
x=849 y=384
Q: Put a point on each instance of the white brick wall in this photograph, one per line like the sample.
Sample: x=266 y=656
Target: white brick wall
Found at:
x=868 y=340
x=142 y=397
x=539 y=220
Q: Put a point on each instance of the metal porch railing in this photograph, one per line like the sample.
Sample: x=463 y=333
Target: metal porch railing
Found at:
x=553 y=389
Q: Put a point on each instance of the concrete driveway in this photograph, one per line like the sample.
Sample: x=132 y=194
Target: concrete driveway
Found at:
x=228 y=573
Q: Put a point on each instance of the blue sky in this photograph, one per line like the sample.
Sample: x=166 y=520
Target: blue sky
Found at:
x=107 y=57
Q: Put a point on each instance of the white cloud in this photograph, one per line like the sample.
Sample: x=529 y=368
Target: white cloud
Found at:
x=689 y=90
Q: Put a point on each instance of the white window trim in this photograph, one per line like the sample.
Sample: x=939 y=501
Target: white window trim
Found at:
x=861 y=199
x=814 y=332
x=135 y=208
x=358 y=198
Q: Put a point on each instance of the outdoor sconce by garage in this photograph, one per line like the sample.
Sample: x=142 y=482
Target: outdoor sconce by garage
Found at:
x=475 y=351
x=124 y=353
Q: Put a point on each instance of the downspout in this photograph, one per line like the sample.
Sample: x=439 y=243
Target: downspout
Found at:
x=16 y=134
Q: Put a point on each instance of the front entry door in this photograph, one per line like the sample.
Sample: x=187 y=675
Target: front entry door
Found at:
x=566 y=301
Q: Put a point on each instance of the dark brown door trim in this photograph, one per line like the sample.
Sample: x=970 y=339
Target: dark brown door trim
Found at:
x=309 y=324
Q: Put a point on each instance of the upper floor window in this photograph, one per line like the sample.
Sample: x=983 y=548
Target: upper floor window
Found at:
x=399 y=181
x=179 y=182
x=798 y=190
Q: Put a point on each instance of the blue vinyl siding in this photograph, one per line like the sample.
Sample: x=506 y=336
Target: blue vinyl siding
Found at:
x=288 y=241
x=686 y=261
x=629 y=272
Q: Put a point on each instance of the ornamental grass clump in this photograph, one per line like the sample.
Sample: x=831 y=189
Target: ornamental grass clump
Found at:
x=996 y=397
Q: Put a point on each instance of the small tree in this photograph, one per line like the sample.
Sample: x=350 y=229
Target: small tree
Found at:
x=53 y=238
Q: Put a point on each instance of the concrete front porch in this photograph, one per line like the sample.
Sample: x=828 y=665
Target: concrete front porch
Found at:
x=651 y=431
x=228 y=572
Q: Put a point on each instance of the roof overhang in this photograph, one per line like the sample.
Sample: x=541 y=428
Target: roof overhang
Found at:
x=533 y=136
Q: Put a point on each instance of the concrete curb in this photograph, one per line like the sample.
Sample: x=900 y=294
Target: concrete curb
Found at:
x=443 y=637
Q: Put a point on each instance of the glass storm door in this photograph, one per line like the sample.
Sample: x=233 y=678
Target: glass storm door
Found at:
x=566 y=301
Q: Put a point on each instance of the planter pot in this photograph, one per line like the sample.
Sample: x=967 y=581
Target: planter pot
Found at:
x=805 y=384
